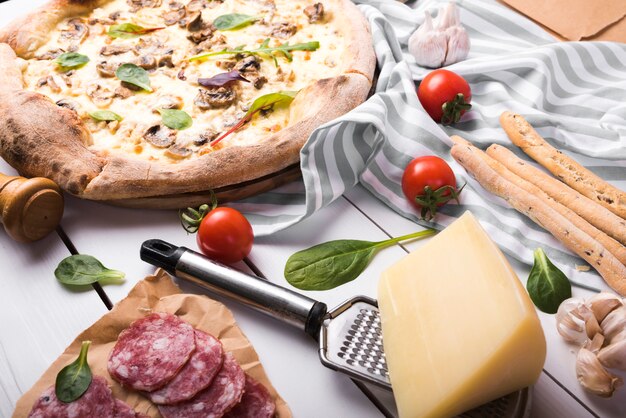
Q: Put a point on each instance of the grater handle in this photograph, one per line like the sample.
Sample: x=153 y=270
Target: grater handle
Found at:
x=285 y=305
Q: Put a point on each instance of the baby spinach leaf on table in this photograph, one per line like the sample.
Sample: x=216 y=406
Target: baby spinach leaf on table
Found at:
x=70 y=60
x=82 y=269
x=331 y=264
x=265 y=102
x=233 y=21
x=547 y=285
x=105 y=115
x=74 y=379
x=221 y=79
x=175 y=119
x=264 y=50
x=134 y=75
x=129 y=30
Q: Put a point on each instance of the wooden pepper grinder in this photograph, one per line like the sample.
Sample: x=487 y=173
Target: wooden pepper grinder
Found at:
x=29 y=208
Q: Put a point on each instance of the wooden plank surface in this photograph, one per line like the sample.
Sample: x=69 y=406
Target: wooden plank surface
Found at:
x=39 y=316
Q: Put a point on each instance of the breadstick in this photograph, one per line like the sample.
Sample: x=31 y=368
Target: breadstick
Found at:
x=609 y=267
x=563 y=167
x=612 y=246
x=595 y=214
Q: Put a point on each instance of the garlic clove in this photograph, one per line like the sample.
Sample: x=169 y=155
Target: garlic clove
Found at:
x=458 y=45
x=592 y=327
x=603 y=303
x=614 y=355
x=594 y=345
x=428 y=45
x=569 y=323
x=593 y=376
x=448 y=17
x=614 y=324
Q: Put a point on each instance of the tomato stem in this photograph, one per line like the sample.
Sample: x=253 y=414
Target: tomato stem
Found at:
x=453 y=109
x=431 y=199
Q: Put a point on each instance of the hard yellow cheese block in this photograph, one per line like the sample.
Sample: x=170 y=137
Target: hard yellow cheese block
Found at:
x=459 y=329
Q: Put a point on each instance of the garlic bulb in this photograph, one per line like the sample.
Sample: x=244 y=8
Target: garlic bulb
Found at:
x=445 y=43
x=593 y=376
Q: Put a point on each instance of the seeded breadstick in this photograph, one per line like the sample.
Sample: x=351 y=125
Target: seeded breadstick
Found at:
x=563 y=167
x=612 y=246
x=609 y=267
x=592 y=212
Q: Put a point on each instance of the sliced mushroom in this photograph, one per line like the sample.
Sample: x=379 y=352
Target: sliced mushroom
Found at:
x=115 y=49
x=283 y=30
x=115 y=15
x=201 y=35
x=215 y=97
x=107 y=69
x=166 y=60
x=259 y=82
x=123 y=92
x=77 y=30
x=160 y=136
x=52 y=82
x=147 y=62
x=175 y=5
x=100 y=21
x=314 y=12
x=135 y=5
x=196 y=5
x=168 y=101
x=50 y=55
x=249 y=64
x=207 y=136
x=177 y=152
x=216 y=39
x=194 y=22
x=68 y=104
x=171 y=17
x=99 y=95
x=181 y=75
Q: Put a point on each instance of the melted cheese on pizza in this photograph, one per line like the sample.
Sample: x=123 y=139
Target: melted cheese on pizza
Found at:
x=186 y=31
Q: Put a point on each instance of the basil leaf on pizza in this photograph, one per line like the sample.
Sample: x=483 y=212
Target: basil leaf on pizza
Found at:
x=105 y=115
x=265 y=102
x=129 y=31
x=134 y=75
x=233 y=21
x=264 y=50
x=70 y=60
x=175 y=119
x=221 y=79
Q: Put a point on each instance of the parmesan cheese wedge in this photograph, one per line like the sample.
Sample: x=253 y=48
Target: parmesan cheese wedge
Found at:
x=459 y=329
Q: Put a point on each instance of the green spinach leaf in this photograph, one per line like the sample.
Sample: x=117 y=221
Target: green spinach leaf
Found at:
x=175 y=119
x=81 y=269
x=547 y=285
x=331 y=264
x=134 y=75
x=233 y=21
x=74 y=379
x=105 y=115
x=71 y=60
x=129 y=30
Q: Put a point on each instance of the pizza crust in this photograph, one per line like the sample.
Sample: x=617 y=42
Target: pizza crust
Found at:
x=39 y=138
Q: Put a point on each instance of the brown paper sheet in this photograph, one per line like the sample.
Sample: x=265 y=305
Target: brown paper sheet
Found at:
x=577 y=20
x=156 y=293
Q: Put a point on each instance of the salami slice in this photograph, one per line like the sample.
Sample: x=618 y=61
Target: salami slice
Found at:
x=196 y=375
x=150 y=352
x=123 y=410
x=255 y=403
x=213 y=402
x=97 y=401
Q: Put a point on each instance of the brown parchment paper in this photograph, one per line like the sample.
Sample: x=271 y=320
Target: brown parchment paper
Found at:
x=156 y=293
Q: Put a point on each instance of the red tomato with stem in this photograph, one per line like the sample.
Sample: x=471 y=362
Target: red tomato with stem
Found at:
x=225 y=235
x=428 y=182
x=445 y=96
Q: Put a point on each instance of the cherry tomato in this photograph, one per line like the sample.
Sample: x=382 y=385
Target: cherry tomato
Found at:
x=445 y=96
x=225 y=235
x=428 y=182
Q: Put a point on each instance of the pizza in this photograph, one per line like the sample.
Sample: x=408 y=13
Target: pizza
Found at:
x=134 y=101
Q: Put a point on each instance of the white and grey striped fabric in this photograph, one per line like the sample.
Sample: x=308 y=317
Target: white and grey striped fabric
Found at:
x=574 y=94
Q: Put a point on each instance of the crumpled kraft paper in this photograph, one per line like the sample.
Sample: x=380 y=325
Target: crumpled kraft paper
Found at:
x=156 y=293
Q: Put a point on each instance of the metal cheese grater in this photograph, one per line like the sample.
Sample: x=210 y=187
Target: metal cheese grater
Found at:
x=350 y=336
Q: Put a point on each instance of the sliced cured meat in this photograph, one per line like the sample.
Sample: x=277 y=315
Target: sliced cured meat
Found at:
x=196 y=375
x=150 y=352
x=255 y=403
x=97 y=401
x=213 y=402
x=123 y=410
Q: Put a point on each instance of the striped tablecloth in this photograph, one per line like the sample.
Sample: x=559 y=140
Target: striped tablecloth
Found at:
x=573 y=93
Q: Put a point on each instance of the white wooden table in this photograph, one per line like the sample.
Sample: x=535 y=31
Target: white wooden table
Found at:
x=39 y=317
